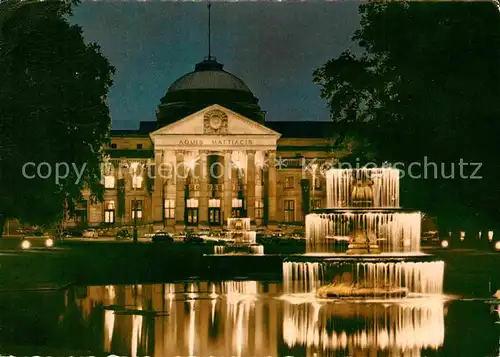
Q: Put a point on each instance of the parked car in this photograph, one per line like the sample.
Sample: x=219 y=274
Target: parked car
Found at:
x=122 y=234
x=278 y=233
x=180 y=236
x=151 y=234
x=162 y=237
x=68 y=233
x=90 y=233
x=205 y=234
x=193 y=238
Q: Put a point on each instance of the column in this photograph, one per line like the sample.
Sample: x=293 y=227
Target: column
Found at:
x=228 y=189
x=203 y=208
x=272 y=188
x=250 y=199
x=157 y=197
x=180 y=187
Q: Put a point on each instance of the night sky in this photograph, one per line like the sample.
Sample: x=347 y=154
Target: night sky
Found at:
x=273 y=47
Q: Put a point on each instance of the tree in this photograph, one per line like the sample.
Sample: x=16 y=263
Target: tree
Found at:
x=424 y=89
x=53 y=110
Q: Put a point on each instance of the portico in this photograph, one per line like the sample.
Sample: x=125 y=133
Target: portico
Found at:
x=213 y=165
x=200 y=163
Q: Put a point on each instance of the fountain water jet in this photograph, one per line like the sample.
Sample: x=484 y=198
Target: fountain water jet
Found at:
x=241 y=239
x=382 y=258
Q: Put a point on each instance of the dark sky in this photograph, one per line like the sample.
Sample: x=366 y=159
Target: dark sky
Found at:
x=273 y=47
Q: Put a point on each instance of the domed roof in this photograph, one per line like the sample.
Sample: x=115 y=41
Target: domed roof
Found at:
x=208 y=84
x=209 y=74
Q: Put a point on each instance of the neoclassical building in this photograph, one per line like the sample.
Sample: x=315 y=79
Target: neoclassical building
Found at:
x=211 y=155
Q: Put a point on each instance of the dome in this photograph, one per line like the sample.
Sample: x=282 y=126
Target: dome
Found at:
x=209 y=74
x=208 y=84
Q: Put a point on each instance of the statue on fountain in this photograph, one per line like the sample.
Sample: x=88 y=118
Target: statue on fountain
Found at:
x=363 y=241
x=362 y=193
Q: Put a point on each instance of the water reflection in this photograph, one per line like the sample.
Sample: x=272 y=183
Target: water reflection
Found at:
x=252 y=319
x=240 y=319
x=223 y=319
x=357 y=329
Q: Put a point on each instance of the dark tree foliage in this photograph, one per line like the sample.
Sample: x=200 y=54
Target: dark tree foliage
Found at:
x=427 y=87
x=53 y=109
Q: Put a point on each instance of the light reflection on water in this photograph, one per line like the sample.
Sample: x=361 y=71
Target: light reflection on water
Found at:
x=204 y=319
x=246 y=319
x=254 y=319
x=399 y=329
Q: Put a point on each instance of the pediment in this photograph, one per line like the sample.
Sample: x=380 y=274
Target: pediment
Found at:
x=215 y=120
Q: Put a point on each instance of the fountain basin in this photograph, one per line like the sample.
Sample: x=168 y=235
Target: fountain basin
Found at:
x=239 y=249
x=364 y=210
x=365 y=258
x=387 y=275
x=387 y=230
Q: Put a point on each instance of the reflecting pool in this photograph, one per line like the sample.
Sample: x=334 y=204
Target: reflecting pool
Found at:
x=243 y=318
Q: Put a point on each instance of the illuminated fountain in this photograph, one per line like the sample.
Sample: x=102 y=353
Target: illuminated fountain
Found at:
x=241 y=239
x=381 y=251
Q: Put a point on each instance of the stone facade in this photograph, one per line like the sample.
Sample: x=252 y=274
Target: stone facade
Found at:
x=207 y=167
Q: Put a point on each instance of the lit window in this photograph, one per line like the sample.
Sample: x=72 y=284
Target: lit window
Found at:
x=134 y=166
x=289 y=182
x=317 y=183
x=169 y=208
x=214 y=203
x=237 y=203
x=192 y=211
x=136 y=181
x=109 y=182
x=259 y=209
x=214 y=211
x=136 y=173
x=136 y=209
x=192 y=203
x=109 y=213
x=289 y=211
x=109 y=216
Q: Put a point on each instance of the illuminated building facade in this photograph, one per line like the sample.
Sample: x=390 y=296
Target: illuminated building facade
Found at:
x=209 y=156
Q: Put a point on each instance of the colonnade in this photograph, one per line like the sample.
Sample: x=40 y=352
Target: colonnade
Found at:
x=175 y=170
